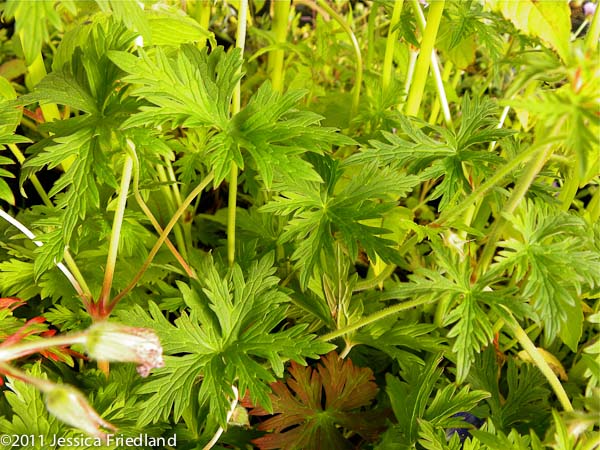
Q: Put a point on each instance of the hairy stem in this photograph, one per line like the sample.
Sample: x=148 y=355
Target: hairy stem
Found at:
x=16 y=351
x=395 y=309
x=115 y=234
x=39 y=383
x=162 y=238
x=415 y=95
x=236 y=104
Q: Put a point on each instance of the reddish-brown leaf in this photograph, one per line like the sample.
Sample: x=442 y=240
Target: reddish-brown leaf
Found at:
x=314 y=406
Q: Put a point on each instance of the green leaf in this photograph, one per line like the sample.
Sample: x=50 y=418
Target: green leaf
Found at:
x=31 y=24
x=548 y=20
x=321 y=213
x=552 y=253
x=231 y=342
x=194 y=89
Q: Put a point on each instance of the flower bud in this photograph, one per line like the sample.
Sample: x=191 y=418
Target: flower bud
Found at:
x=107 y=341
x=70 y=406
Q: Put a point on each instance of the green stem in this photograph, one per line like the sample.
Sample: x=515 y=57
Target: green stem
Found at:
x=379 y=315
x=162 y=238
x=72 y=265
x=29 y=234
x=21 y=349
x=375 y=281
x=593 y=207
x=115 y=234
x=371 y=34
x=34 y=180
x=435 y=66
x=144 y=207
x=569 y=189
x=520 y=190
x=240 y=42
x=540 y=362
x=359 y=62
x=171 y=207
x=390 y=45
x=281 y=13
x=202 y=12
x=39 y=383
x=37 y=71
x=417 y=87
x=591 y=40
x=498 y=175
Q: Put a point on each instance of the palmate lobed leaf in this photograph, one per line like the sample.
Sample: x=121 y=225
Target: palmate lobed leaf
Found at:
x=313 y=403
x=230 y=338
x=323 y=213
x=551 y=254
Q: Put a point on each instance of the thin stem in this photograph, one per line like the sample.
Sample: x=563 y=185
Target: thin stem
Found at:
x=371 y=34
x=281 y=13
x=115 y=234
x=359 y=62
x=375 y=317
x=140 y=201
x=591 y=40
x=375 y=281
x=390 y=45
x=417 y=87
x=34 y=179
x=540 y=362
x=219 y=432
x=39 y=383
x=162 y=238
x=72 y=265
x=240 y=42
x=413 y=54
x=27 y=348
x=522 y=186
x=27 y=232
x=171 y=207
x=435 y=67
x=500 y=173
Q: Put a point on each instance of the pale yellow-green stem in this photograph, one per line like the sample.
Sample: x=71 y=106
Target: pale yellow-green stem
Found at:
x=115 y=234
x=172 y=206
x=240 y=42
x=20 y=349
x=142 y=204
x=162 y=238
x=34 y=179
x=391 y=310
x=591 y=40
x=357 y=54
x=539 y=361
x=281 y=13
x=390 y=45
x=417 y=87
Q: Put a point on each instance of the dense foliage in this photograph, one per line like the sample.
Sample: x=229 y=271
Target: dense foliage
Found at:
x=311 y=225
